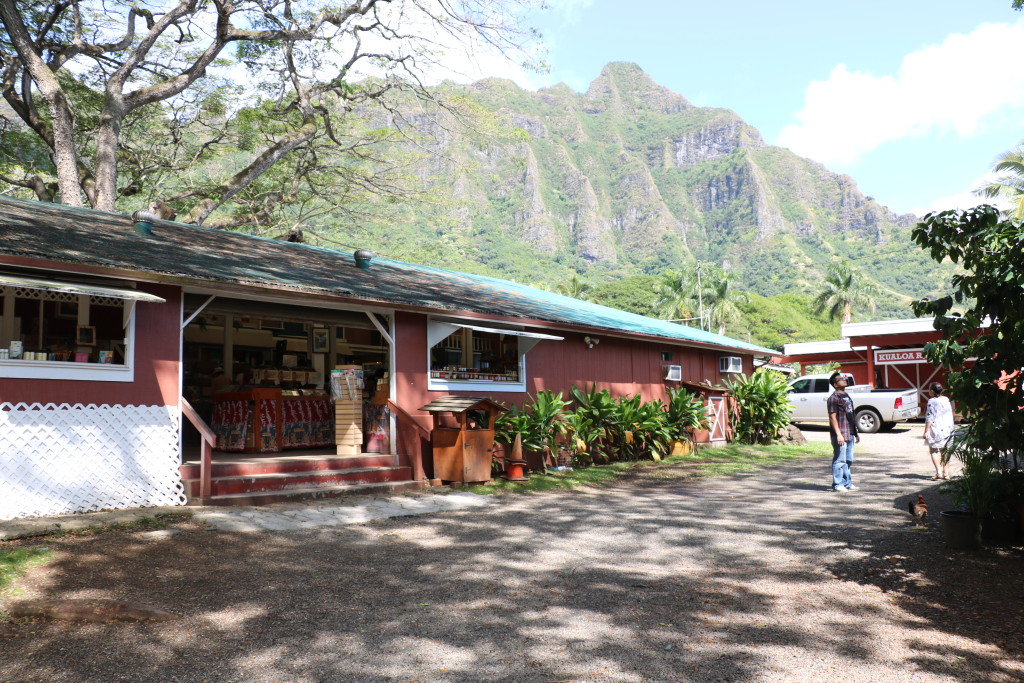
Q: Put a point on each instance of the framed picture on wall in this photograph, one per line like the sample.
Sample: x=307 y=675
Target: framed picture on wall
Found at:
x=86 y=335
x=320 y=341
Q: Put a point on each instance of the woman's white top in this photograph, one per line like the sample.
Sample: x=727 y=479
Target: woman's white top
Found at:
x=939 y=414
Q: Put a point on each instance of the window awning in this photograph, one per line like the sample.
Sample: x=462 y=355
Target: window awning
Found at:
x=72 y=288
x=439 y=331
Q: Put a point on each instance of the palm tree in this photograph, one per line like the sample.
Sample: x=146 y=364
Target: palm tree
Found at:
x=676 y=292
x=845 y=288
x=574 y=287
x=721 y=302
x=1009 y=185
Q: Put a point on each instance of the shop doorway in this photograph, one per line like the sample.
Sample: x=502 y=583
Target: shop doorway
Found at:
x=259 y=374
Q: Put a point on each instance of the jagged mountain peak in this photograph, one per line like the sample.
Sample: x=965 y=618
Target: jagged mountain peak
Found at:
x=629 y=178
x=625 y=84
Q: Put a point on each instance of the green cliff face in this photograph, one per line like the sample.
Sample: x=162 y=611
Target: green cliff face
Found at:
x=629 y=178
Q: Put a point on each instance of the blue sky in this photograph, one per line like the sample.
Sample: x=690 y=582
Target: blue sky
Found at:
x=913 y=99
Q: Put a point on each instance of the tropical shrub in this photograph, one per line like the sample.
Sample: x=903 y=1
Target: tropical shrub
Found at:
x=581 y=436
x=539 y=422
x=973 y=488
x=599 y=408
x=980 y=319
x=763 y=406
x=686 y=413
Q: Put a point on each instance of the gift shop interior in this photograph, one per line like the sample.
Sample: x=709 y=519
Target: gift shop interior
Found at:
x=269 y=378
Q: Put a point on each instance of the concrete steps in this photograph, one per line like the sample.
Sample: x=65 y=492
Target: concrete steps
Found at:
x=263 y=480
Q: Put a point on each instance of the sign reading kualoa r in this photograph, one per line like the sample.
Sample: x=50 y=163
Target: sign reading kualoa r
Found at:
x=899 y=356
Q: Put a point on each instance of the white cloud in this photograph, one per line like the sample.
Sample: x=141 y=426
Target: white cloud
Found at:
x=963 y=200
x=958 y=87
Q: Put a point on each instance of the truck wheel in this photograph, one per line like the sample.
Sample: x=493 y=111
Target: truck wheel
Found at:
x=887 y=427
x=868 y=421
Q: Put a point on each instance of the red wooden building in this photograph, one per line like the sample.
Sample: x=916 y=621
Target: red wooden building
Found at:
x=118 y=335
x=884 y=354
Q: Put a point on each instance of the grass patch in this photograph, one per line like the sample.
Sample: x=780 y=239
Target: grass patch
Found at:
x=737 y=458
x=16 y=561
x=704 y=463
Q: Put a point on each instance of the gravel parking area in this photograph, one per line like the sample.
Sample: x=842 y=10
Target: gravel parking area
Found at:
x=760 y=577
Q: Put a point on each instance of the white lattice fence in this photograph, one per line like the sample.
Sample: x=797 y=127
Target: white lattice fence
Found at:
x=59 y=459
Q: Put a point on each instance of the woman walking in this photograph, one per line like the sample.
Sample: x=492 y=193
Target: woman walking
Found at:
x=938 y=428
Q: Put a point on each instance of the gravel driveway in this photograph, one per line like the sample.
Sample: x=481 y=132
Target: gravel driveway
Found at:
x=759 y=577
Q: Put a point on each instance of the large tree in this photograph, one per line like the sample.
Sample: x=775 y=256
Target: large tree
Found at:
x=721 y=302
x=675 y=295
x=843 y=290
x=84 y=76
x=982 y=344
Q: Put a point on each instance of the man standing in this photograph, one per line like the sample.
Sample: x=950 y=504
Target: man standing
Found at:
x=843 y=430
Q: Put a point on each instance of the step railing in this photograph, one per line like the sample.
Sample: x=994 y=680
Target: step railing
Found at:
x=209 y=440
x=421 y=434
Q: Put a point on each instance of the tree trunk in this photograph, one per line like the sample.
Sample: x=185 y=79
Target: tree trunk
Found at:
x=65 y=157
x=106 y=151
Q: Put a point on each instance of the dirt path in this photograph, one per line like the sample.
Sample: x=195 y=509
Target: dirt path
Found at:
x=760 y=577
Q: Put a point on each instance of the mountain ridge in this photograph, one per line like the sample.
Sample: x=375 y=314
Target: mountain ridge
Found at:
x=631 y=178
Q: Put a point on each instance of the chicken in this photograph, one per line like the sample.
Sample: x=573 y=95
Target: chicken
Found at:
x=918 y=510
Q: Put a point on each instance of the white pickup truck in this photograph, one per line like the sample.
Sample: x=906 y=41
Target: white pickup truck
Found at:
x=877 y=409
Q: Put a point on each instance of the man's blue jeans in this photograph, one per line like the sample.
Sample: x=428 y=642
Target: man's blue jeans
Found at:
x=842 y=460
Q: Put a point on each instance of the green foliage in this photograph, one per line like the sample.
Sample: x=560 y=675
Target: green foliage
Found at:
x=1010 y=184
x=575 y=288
x=539 y=421
x=634 y=294
x=990 y=291
x=676 y=295
x=843 y=290
x=783 y=319
x=597 y=409
x=686 y=413
x=763 y=406
x=973 y=488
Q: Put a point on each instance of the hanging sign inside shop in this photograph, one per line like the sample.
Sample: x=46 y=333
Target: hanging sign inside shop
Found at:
x=899 y=356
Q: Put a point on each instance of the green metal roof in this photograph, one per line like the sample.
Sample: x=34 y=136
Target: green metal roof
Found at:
x=95 y=238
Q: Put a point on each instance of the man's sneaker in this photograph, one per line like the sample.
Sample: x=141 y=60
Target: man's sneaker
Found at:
x=839 y=488
x=851 y=487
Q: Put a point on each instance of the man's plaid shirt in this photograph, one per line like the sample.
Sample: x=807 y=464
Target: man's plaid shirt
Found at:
x=842 y=406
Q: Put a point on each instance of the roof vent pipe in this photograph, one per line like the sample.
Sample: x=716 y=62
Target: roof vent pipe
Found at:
x=144 y=222
x=363 y=257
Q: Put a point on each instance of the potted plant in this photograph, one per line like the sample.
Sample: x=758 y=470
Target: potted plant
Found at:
x=972 y=490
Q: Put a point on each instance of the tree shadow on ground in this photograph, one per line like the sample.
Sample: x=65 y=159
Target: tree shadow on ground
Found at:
x=747 y=579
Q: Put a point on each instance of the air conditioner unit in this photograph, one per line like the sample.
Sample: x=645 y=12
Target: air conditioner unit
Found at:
x=673 y=373
x=730 y=364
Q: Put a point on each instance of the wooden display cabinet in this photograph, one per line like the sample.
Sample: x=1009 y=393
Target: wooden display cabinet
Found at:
x=463 y=437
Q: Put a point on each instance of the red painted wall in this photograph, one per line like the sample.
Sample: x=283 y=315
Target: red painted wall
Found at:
x=623 y=366
x=157 y=348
